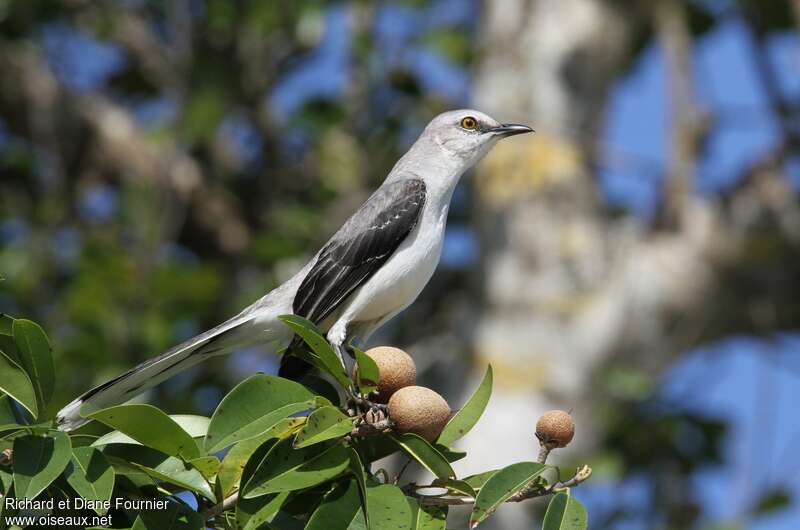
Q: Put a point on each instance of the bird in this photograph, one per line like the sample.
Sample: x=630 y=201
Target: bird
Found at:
x=370 y=270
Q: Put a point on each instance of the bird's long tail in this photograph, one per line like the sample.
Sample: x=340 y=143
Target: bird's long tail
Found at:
x=216 y=341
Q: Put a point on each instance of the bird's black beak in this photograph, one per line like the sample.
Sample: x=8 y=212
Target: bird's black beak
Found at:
x=510 y=129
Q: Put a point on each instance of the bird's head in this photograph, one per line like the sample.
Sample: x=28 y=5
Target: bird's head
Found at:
x=468 y=134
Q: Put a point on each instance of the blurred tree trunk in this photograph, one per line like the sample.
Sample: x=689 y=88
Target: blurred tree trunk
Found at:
x=566 y=286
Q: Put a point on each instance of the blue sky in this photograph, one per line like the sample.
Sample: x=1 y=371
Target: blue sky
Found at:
x=751 y=383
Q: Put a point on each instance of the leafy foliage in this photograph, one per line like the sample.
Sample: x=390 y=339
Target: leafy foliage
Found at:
x=275 y=454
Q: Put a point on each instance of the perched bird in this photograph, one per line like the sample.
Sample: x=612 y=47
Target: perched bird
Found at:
x=372 y=268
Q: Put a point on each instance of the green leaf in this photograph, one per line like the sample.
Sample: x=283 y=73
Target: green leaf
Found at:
x=356 y=468
x=90 y=475
x=234 y=462
x=6 y=479
x=38 y=460
x=501 y=486
x=287 y=469
x=7 y=416
x=565 y=513
x=6 y=325
x=477 y=481
x=208 y=466
x=424 y=453
x=36 y=357
x=372 y=448
x=427 y=517
x=245 y=508
x=367 y=373
x=323 y=424
x=339 y=509
x=452 y=455
x=254 y=406
x=388 y=508
x=459 y=487
x=174 y=517
x=15 y=382
x=195 y=426
x=255 y=514
x=161 y=467
x=321 y=387
x=466 y=418
x=126 y=473
x=149 y=426
x=328 y=359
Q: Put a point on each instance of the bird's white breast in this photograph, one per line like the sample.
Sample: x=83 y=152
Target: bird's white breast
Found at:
x=405 y=274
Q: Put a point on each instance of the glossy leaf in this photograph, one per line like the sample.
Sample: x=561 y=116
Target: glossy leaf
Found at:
x=38 y=460
x=15 y=382
x=90 y=475
x=287 y=469
x=161 y=467
x=372 y=448
x=174 y=517
x=127 y=473
x=424 y=453
x=501 y=486
x=452 y=455
x=425 y=517
x=466 y=418
x=254 y=406
x=7 y=416
x=477 y=481
x=328 y=358
x=458 y=487
x=6 y=480
x=149 y=426
x=356 y=468
x=367 y=373
x=195 y=426
x=6 y=325
x=36 y=357
x=208 y=466
x=233 y=464
x=257 y=513
x=388 y=508
x=339 y=509
x=321 y=387
x=565 y=513
x=245 y=508
x=323 y=424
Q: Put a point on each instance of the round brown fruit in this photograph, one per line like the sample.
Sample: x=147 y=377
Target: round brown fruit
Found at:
x=396 y=368
x=555 y=427
x=419 y=410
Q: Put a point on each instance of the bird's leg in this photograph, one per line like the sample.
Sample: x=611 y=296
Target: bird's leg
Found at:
x=361 y=402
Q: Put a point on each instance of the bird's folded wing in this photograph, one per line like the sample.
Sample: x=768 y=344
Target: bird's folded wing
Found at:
x=363 y=244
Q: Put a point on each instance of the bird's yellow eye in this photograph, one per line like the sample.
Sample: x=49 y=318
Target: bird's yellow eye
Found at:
x=469 y=123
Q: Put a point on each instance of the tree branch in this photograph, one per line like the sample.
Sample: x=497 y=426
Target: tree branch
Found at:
x=582 y=474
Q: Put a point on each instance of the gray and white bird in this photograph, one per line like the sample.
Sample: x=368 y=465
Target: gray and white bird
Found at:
x=372 y=268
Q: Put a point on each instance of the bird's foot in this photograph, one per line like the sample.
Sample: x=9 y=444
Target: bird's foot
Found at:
x=362 y=404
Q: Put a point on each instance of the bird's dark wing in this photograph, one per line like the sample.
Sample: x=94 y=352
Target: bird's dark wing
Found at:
x=363 y=244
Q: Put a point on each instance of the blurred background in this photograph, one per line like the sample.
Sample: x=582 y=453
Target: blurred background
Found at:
x=165 y=163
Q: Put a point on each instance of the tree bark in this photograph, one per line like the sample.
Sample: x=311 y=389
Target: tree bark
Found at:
x=566 y=285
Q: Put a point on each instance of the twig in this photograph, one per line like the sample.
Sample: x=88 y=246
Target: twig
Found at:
x=544 y=450
x=581 y=475
x=223 y=506
x=402 y=470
